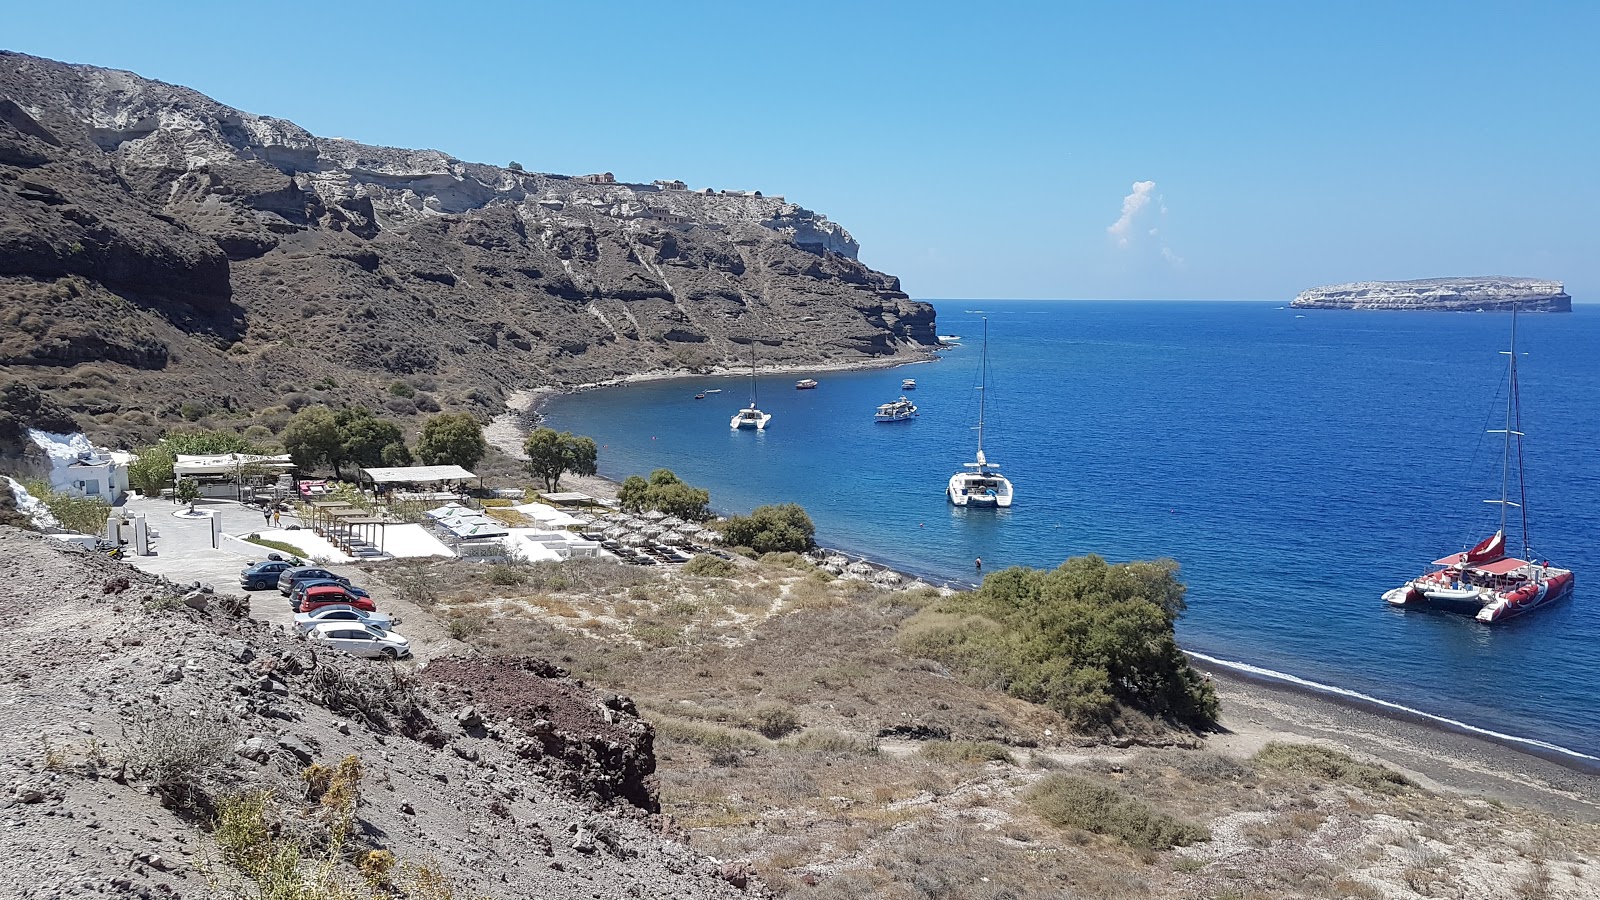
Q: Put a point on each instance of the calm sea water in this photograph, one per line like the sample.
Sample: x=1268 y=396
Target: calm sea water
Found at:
x=1296 y=464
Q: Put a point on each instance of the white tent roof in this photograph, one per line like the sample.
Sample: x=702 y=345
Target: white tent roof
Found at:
x=227 y=463
x=402 y=474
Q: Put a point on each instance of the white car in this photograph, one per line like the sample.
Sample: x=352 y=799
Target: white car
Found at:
x=359 y=640
x=304 y=622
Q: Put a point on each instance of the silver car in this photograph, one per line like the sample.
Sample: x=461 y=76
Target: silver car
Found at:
x=360 y=640
x=304 y=622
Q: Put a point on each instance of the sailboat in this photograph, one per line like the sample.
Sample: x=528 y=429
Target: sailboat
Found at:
x=750 y=416
x=1484 y=581
x=983 y=485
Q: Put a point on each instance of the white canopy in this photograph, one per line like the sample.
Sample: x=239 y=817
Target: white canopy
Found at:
x=228 y=463
x=405 y=474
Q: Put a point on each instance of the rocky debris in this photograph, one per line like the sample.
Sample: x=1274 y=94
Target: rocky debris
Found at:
x=596 y=747
x=1486 y=293
x=147 y=227
x=110 y=773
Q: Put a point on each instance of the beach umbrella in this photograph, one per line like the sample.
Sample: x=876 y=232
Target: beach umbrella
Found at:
x=708 y=537
x=672 y=537
x=689 y=528
x=652 y=531
x=636 y=540
x=653 y=514
x=670 y=522
x=615 y=533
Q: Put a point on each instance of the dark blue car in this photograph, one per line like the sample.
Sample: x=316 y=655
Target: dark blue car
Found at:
x=261 y=575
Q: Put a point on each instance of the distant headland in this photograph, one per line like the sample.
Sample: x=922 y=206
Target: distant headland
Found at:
x=1491 y=293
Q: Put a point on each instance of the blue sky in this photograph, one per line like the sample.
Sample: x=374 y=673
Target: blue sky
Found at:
x=975 y=150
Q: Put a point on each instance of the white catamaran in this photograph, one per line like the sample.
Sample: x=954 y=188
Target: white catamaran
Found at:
x=983 y=485
x=750 y=416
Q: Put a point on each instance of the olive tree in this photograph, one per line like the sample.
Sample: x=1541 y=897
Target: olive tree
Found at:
x=452 y=439
x=552 y=454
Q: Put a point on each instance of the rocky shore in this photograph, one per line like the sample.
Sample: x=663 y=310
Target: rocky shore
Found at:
x=1476 y=294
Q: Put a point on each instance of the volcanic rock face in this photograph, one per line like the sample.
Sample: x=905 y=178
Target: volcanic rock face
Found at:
x=1455 y=294
x=232 y=257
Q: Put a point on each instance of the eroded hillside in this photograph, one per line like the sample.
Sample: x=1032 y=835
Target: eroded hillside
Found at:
x=159 y=250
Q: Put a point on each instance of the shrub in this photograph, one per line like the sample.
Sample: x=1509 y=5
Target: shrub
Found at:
x=772 y=529
x=708 y=566
x=774 y=720
x=1072 y=801
x=1320 y=762
x=964 y=752
x=1085 y=640
x=279 y=546
x=831 y=741
x=664 y=491
x=179 y=755
x=74 y=512
x=505 y=575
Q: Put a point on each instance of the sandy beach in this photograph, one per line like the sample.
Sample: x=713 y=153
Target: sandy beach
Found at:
x=1257 y=711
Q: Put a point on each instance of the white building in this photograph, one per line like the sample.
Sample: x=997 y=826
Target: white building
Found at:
x=79 y=467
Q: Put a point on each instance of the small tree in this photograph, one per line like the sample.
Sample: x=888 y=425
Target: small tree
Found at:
x=312 y=437
x=452 y=439
x=363 y=439
x=552 y=454
x=772 y=529
x=150 y=473
x=188 y=492
x=665 y=492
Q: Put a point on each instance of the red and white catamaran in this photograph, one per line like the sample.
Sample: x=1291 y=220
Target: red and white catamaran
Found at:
x=1484 y=581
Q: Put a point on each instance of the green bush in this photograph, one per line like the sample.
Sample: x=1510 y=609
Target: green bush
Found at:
x=708 y=566
x=505 y=575
x=74 y=512
x=772 y=529
x=1086 y=640
x=279 y=546
x=1331 y=765
x=664 y=491
x=1072 y=801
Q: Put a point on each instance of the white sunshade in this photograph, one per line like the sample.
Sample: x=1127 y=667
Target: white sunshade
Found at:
x=228 y=463
x=403 y=474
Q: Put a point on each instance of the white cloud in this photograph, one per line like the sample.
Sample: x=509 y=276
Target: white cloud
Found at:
x=1170 y=257
x=1131 y=205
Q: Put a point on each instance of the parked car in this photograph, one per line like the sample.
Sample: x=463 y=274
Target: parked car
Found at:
x=262 y=575
x=360 y=640
x=300 y=588
x=331 y=595
x=304 y=622
x=288 y=577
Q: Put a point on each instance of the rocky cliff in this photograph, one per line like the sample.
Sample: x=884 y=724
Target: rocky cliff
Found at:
x=159 y=250
x=1455 y=294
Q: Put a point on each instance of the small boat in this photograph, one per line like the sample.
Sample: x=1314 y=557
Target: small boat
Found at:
x=714 y=390
x=1484 y=582
x=751 y=416
x=899 y=411
x=983 y=485
x=700 y=396
x=949 y=338
x=805 y=384
x=909 y=384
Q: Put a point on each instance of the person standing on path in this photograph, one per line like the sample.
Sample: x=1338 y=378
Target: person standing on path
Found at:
x=266 y=516
x=277 y=518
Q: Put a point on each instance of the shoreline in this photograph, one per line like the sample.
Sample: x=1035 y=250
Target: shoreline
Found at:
x=1248 y=684
x=1258 y=709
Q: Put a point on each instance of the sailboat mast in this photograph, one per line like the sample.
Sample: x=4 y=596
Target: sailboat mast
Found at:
x=1516 y=423
x=983 y=382
x=1511 y=395
x=753 y=374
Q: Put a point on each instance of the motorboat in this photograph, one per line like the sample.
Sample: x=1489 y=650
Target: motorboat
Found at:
x=909 y=384
x=980 y=483
x=700 y=396
x=1484 y=581
x=805 y=384
x=899 y=411
x=751 y=416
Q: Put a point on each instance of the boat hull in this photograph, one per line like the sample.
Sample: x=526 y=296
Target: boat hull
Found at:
x=992 y=492
x=1527 y=598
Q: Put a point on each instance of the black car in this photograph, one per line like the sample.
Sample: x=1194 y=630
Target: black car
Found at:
x=301 y=585
x=288 y=577
x=262 y=575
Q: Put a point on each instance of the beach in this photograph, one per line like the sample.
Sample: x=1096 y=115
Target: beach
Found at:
x=1257 y=711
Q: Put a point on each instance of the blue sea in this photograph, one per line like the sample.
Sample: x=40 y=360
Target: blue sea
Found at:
x=1295 y=463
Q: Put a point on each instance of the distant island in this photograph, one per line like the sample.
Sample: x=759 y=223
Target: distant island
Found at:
x=1491 y=293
